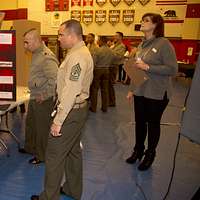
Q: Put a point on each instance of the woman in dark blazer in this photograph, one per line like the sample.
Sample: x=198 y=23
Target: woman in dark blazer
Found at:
x=155 y=56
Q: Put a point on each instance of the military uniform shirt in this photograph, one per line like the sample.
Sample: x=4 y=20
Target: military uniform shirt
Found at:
x=119 y=50
x=43 y=73
x=74 y=78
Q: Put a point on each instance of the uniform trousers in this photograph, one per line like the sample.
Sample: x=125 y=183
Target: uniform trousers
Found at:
x=64 y=157
x=148 y=113
x=100 y=80
x=38 y=121
x=112 y=79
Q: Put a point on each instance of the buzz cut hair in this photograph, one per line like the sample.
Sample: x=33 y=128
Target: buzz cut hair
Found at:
x=73 y=26
x=120 y=33
x=30 y=30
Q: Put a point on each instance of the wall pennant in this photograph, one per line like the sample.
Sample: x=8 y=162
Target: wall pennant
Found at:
x=128 y=16
x=129 y=2
x=87 y=17
x=114 y=16
x=76 y=3
x=100 y=16
x=76 y=14
x=115 y=2
x=144 y=2
x=101 y=2
x=87 y=2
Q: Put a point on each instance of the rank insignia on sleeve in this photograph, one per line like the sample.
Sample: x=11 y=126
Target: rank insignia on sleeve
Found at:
x=75 y=72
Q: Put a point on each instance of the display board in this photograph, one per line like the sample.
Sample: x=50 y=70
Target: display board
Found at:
x=7 y=65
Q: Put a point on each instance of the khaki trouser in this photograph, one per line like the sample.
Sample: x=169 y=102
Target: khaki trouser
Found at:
x=38 y=121
x=64 y=156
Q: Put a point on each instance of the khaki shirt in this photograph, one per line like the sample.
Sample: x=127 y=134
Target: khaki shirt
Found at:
x=74 y=78
x=43 y=73
x=119 y=50
x=103 y=57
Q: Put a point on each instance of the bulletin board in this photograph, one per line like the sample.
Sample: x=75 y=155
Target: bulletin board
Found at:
x=8 y=65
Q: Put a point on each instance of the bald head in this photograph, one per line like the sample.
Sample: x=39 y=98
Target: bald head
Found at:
x=32 y=40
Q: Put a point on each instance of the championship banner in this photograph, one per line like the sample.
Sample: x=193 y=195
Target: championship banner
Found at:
x=101 y=2
x=87 y=2
x=144 y=2
x=76 y=14
x=115 y=2
x=57 y=5
x=100 y=16
x=75 y=3
x=128 y=16
x=87 y=17
x=129 y=2
x=114 y=16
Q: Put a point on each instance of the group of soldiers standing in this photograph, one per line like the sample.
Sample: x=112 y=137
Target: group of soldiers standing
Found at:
x=108 y=62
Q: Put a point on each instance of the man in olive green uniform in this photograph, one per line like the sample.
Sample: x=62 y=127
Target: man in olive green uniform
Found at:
x=42 y=84
x=103 y=57
x=119 y=50
x=63 y=154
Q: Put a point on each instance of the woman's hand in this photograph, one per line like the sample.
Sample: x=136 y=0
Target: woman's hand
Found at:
x=141 y=65
x=130 y=97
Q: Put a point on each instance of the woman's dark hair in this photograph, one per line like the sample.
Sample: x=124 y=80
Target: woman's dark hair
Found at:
x=158 y=20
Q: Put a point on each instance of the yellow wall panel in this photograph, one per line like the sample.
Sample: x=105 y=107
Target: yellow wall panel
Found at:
x=8 y=4
x=191 y=29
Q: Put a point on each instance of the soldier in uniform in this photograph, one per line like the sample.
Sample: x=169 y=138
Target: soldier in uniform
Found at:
x=63 y=154
x=103 y=57
x=42 y=84
x=119 y=50
x=90 y=40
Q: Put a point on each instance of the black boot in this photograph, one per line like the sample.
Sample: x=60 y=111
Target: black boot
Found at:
x=135 y=155
x=147 y=161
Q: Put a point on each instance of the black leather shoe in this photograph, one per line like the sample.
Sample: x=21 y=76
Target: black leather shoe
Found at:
x=61 y=190
x=136 y=155
x=35 y=197
x=22 y=150
x=147 y=161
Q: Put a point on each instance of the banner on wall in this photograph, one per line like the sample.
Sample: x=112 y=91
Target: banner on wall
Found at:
x=75 y=3
x=114 y=16
x=128 y=16
x=87 y=17
x=129 y=2
x=76 y=14
x=87 y=2
x=100 y=16
x=115 y=2
x=101 y=2
x=57 y=5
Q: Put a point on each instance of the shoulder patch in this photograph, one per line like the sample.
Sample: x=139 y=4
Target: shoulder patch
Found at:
x=75 y=72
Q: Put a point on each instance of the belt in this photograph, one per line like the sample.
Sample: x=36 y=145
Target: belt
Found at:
x=80 y=105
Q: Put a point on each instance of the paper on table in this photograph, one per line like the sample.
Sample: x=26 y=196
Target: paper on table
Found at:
x=136 y=75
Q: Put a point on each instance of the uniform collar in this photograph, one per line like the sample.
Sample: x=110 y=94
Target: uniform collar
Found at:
x=77 y=46
x=39 y=49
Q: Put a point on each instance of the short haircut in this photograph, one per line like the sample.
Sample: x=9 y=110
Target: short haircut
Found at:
x=103 y=39
x=159 y=21
x=92 y=34
x=30 y=30
x=73 y=26
x=120 y=33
